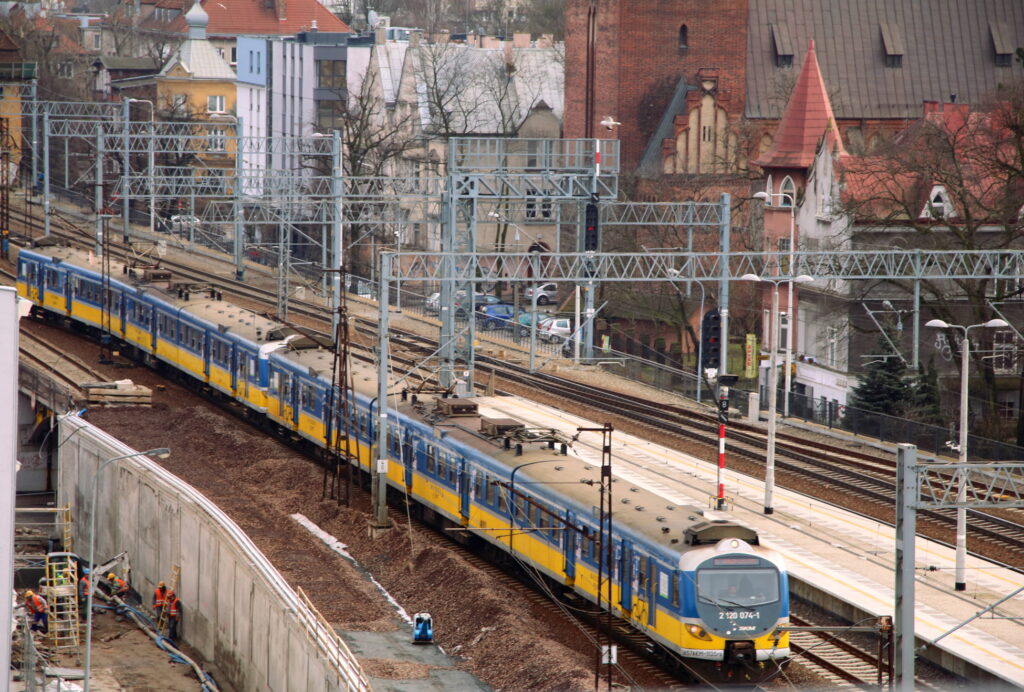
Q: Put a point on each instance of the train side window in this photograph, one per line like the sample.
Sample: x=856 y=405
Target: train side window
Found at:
x=478 y=484
x=453 y=469
x=431 y=461
x=675 y=589
x=488 y=490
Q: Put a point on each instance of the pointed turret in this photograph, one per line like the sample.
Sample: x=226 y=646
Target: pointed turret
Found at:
x=807 y=117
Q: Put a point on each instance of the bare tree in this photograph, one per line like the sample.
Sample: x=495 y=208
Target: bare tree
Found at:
x=953 y=181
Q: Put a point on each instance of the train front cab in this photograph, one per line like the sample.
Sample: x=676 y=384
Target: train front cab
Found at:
x=733 y=601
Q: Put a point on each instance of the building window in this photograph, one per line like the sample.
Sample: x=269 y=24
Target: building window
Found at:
x=788 y=190
x=330 y=74
x=938 y=206
x=234 y=56
x=894 y=61
x=66 y=70
x=683 y=40
x=217 y=142
x=832 y=346
x=1006 y=352
x=770 y=190
x=97 y=41
x=215 y=104
x=328 y=115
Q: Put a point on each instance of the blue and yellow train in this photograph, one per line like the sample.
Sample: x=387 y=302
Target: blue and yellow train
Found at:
x=699 y=586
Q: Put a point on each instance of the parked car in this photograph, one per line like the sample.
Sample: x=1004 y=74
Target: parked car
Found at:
x=183 y=224
x=546 y=293
x=556 y=329
x=526 y=320
x=497 y=316
x=479 y=301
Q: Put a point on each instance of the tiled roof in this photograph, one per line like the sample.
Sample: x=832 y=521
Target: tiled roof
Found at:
x=807 y=117
x=255 y=18
x=947 y=48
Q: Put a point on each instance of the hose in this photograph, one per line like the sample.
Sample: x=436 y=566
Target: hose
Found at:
x=146 y=624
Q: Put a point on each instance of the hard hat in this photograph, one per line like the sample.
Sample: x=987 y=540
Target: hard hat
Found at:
x=30 y=593
x=161 y=585
x=111 y=576
x=85 y=570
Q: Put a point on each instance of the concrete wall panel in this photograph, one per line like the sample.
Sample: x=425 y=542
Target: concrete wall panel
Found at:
x=237 y=609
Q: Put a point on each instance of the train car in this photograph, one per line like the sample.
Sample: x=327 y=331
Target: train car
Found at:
x=698 y=585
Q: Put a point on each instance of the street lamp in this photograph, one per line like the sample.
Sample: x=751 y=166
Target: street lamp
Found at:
x=152 y=164
x=766 y=197
x=961 y=493
x=159 y=453
x=773 y=331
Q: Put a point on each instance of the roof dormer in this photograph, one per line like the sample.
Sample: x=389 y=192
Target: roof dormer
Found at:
x=938 y=206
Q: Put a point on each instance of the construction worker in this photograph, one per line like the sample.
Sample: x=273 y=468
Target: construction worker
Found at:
x=5 y=244
x=36 y=607
x=159 y=598
x=118 y=587
x=83 y=590
x=173 y=606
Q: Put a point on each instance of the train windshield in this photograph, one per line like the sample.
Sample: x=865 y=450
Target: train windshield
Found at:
x=745 y=588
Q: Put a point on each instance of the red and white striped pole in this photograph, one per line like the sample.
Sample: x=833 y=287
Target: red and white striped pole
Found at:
x=723 y=417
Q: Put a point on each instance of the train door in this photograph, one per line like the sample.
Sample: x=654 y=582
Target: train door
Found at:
x=408 y=458
x=236 y=357
x=465 y=481
x=569 y=540
x=652 y=591
x=34 y=282
x=64 y=278
x=206 y=354
x=289 y=390
x=626 y=576
x=641 y=587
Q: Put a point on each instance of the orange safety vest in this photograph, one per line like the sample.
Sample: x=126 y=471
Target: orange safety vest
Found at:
x=159 y=597
x=35 y=605
x=121 y=586
x=172 y=604
x=85 y=591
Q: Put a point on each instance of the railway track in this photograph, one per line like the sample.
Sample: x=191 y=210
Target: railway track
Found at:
x=863 y=476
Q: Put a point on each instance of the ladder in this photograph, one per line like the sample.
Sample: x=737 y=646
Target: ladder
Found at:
x=61 y=594
x=65 y=522
x=172 y=585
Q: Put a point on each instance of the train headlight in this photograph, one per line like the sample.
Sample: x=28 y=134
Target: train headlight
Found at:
x=698 y=632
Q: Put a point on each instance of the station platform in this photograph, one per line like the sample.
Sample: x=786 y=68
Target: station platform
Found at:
x=837 y=558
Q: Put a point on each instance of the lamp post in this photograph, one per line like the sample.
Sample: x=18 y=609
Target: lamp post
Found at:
x=773 y=330
x=766 y=196
x=160 y=453
x=961 y=493
x=152 y=164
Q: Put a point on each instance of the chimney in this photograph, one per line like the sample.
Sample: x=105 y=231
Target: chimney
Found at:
x=415 y=37
x=281 y=7
x=521 y=40
x=312 y=27
x=380 y=35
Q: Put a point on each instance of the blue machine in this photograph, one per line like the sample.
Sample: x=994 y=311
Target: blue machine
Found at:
x=422 y=629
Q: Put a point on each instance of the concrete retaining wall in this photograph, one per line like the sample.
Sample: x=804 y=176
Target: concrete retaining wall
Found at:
x=238 y=610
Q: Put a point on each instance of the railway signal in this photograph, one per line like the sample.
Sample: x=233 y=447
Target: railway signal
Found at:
x=711 y=339
x=724 y=382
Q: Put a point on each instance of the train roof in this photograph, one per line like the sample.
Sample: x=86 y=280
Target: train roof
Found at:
x=479 y=427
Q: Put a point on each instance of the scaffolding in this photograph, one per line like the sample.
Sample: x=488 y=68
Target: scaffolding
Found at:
x=61 y=593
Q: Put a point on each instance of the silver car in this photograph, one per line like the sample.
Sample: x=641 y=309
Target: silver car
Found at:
x=546 y=293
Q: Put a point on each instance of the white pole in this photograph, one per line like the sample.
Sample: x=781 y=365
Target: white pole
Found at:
x=8 y=466
x=769 y=474
x=577 y=330
x=790 y=322
x=961 y=492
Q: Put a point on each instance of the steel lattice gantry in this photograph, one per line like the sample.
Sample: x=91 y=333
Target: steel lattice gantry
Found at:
x=488 y=170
